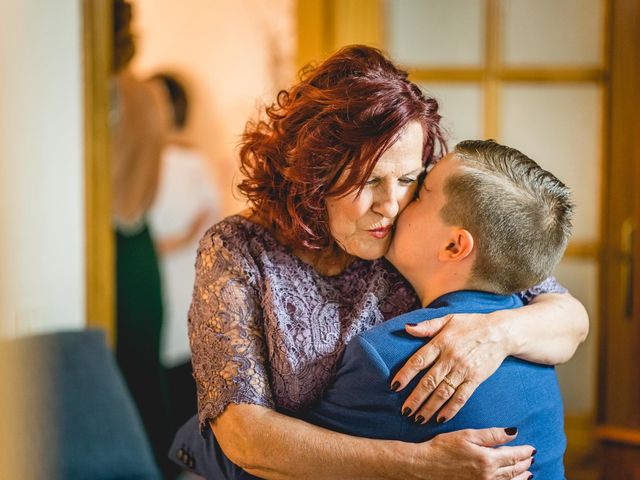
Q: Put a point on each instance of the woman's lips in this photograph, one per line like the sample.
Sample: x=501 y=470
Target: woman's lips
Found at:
x=380 y=232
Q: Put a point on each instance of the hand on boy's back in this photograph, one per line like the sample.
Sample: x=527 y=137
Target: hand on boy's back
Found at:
x=465 y=349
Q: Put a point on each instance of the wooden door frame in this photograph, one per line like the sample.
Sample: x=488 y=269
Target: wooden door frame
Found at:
x=326 y=25
x=619 y=332
x=99 y=246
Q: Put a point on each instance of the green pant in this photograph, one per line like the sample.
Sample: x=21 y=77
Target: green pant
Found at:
x=139 y=326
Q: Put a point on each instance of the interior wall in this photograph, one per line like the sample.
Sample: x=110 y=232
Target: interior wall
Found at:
x=234 y=54
x=42 y=285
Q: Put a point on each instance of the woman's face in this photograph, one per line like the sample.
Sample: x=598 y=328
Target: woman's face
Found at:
x=361 y=224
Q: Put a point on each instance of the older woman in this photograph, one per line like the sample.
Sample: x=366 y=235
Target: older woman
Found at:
x=283 y=287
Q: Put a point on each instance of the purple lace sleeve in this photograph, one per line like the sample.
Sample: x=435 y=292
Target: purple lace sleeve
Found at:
x=549 y=285
x=225 y=331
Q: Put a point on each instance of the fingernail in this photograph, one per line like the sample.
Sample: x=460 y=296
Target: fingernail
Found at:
x=419 y=419
x=511 y=430
x=442 y=419
x=534 y=452
x=395 y=386
x=530 y=477
x=411 y=324
x=532 y=461
x=406 y=412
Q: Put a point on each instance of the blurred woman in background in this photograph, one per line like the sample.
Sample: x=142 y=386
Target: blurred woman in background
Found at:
x=140 y=123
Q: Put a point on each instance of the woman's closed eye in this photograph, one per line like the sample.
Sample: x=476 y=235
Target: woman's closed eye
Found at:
x=407 y=180
x=372 y=181
x=404 y=181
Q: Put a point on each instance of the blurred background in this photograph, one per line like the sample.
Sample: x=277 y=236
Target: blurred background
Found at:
x=557 y=79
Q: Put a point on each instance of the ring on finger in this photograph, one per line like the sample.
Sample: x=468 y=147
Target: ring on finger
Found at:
x=449 y=382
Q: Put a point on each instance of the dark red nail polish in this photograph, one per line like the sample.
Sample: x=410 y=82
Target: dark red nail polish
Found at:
x=534 y=452
x=442 y=419
x=411 y=324
x=395 y=386
x=511 y=430
x=419 y=419
x=530 y=477
x=406 y=412
x=532 y=461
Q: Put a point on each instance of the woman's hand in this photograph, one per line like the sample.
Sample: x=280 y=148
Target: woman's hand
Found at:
x=469 y=454
x=270 y=445
x=468 y=348
x=465 y=350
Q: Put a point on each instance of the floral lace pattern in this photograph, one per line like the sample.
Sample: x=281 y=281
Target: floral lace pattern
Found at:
x=550 y=285
x=266 y=328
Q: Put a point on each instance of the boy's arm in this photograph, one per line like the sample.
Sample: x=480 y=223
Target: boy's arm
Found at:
x=359 y=401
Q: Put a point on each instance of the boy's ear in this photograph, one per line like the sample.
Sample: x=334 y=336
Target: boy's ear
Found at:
x=460 y=246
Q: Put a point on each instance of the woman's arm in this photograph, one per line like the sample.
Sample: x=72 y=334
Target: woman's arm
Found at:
x=273 y=446
x=549 y=332
x=468 y=348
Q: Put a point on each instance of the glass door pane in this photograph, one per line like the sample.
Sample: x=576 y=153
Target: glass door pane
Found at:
x=559 y=126
x=552 y=32
x=436 y=32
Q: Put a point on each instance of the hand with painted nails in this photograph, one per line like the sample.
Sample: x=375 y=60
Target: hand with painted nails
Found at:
x=464 y=350
x=477 y=454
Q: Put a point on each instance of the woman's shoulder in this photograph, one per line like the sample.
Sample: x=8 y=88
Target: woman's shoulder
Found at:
x=236 y=232
x=226 y=251
x=237 y=240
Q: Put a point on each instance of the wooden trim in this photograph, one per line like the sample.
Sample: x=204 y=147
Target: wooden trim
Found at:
x=99 y=250
x=583 y=250
x=312 y=26
x=357 y=21
x=384 y=25
x=530 y=74
x=619 y=334
x=446 y=74
x=328 y=27
x=581 y=439
x=636 y=175
x=324 y=26
x=611 y=433
x=491 y=100
x=605 y=52
x=605 y=195
x=551 y=74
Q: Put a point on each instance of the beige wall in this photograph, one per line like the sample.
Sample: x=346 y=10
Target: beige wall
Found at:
x=42 y=284
x=234 y=52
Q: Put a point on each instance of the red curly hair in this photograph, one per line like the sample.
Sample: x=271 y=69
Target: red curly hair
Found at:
x=338 y=119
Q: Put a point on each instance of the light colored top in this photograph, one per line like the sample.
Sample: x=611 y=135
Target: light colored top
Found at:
x=185 y=193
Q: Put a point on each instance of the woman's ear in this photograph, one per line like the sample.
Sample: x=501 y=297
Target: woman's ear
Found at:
x=460 y=246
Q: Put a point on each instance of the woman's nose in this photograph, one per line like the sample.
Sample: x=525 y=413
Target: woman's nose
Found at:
x=388 y=202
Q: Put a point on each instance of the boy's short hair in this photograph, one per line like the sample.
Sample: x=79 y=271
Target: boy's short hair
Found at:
x=518 y=213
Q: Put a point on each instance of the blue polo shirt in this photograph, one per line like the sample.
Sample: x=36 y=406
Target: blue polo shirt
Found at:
x=521 y=394
x=359 y=401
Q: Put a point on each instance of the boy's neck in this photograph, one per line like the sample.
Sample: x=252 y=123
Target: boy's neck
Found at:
x=428 y=289
x=428 y=293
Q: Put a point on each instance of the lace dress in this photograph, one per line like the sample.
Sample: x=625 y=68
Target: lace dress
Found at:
x=267 y=329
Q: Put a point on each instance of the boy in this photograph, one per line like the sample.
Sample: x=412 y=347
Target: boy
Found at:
x=487 y=222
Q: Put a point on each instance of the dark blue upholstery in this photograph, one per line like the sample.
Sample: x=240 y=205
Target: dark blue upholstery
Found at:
x=80 y=419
